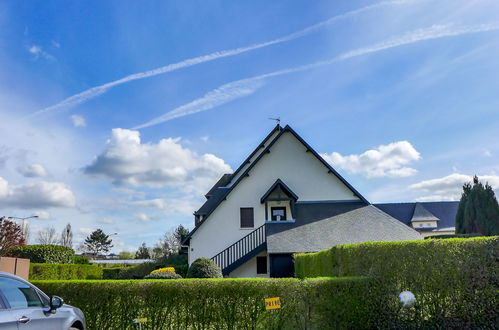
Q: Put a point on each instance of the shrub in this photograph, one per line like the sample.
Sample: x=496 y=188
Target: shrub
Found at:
x=163 y=276
x=204 y=268
x=455 y=281
x=64 y=272
x=44 y=253
x=81 y=260
x=129 y=273
x=164 y=270
x=222 y=303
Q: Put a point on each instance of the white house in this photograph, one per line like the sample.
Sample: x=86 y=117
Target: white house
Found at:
x=283 y=199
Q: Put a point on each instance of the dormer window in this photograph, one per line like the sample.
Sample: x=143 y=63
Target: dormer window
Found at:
x=278 y=213
x=279 y=202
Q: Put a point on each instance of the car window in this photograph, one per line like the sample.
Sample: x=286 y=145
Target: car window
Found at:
x=19 y=294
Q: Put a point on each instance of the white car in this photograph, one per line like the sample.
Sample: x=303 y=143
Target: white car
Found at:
x=24 y=307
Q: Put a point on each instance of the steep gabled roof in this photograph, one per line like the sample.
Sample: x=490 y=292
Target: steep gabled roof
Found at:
x=245 y=171
x=422 y=214
x=222 y=182
x=279 y=184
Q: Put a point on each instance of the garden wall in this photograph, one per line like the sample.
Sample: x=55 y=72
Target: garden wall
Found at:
x=223 y=303
x=456 y=281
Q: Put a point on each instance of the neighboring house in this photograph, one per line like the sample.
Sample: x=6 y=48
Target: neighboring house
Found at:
x=428 y=218
x=284 y=199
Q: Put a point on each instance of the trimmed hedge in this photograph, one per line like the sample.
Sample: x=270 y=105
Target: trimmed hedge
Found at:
x=324 y=303
x=64 y=272
x=44 y=253
x=455 y=281
x=129 y=273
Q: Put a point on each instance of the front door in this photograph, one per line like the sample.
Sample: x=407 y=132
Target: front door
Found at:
x=282 y=265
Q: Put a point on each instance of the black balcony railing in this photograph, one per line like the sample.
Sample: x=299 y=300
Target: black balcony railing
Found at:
x=241 y=251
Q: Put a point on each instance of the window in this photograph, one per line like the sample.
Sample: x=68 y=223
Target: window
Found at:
x=19 y=294
x=247 y=218
x=278 y=213
x=261 y=265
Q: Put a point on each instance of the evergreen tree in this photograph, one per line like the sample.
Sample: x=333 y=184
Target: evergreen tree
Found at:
x=478 y=210
x=142 y=252
x=97 y=242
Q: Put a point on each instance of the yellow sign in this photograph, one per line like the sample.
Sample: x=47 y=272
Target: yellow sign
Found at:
x=141 y=320
x=272 y=303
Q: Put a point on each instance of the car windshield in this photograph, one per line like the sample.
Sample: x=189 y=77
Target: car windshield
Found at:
x=19 y=294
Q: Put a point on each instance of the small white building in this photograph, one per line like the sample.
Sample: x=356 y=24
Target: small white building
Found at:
x=283 y=199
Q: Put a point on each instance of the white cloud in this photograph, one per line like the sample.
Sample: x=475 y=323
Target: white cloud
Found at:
x=36 y=195
x=386 y=160
x=183 y=206
x=38 y=52
x=42 y=214
x=78 y=121
x=98 y=90
x=449 y=187
x=106 y=221
x=128 y=161
x=33 y=171
x=244 y=87
x=205 y=138
x=487 y=153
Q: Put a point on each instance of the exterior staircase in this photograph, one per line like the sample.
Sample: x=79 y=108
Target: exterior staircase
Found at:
x=241 y=251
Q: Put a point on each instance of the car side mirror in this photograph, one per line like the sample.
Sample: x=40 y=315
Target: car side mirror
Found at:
x=55 y=303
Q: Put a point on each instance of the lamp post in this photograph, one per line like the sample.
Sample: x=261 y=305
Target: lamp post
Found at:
x=24 y=224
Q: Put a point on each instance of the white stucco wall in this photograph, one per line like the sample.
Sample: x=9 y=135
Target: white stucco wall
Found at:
x=248 y=269
x=288 y=160
x=252 y=158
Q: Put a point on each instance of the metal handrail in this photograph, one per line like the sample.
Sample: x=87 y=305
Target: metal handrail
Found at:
x=241 y=248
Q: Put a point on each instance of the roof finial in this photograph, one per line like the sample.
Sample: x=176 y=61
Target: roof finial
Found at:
x=278 y=120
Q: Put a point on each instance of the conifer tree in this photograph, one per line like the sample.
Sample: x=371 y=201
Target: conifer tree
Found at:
x=478 y=211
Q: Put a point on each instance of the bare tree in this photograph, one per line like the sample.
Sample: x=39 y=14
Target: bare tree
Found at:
x=47 y=236
x=67 y=236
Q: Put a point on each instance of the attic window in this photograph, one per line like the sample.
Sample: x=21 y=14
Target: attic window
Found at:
x=278 y=213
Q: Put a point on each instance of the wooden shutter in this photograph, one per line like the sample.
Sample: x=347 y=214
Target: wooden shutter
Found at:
x=247 y=219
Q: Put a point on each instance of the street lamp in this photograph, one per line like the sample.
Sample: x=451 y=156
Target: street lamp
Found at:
x=26 y=218
x=24 y=224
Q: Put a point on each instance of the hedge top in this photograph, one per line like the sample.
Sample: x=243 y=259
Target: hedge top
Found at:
x=44 y=253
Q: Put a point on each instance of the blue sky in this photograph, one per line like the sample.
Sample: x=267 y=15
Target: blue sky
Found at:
x=400 y=96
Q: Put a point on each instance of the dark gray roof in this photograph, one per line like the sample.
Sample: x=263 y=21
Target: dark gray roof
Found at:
x=212 y=202
x=319 y=226
x=222 y=182
x=444 y=211
x=422 y=214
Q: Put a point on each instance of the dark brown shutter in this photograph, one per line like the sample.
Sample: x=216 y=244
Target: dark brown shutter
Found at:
x=247 y=219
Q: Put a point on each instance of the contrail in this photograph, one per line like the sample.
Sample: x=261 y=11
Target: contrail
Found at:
x=232 y=90
x=101 y=89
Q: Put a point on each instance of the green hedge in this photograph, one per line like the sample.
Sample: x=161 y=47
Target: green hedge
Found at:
x=130 y=273
x=64 y=272
x=50 y=254
x=324 y=303
x=456 y=281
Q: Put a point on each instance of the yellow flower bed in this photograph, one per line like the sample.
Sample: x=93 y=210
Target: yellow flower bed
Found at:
x=164 y=270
